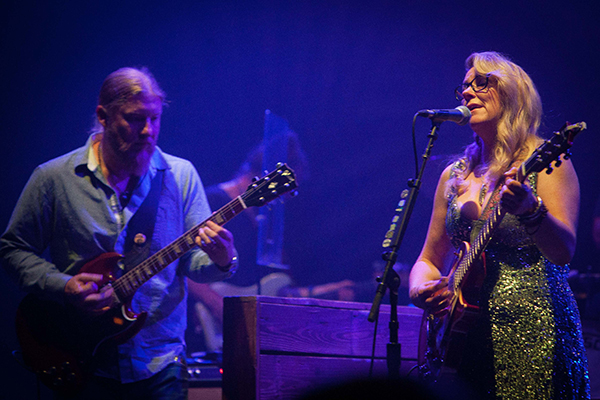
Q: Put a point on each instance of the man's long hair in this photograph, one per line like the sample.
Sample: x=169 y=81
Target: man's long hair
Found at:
x=121 y=85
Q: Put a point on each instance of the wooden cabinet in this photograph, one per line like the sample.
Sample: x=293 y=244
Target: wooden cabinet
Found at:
x=281 y=348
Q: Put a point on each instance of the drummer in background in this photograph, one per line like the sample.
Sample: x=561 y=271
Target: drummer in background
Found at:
x=205 y=330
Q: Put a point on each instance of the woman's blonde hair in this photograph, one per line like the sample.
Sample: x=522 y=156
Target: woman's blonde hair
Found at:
x=519 y=122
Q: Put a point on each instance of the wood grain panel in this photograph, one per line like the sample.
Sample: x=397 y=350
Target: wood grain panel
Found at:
x=278 y=348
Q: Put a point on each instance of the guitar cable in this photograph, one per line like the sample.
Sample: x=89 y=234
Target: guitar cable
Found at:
x=373 y=347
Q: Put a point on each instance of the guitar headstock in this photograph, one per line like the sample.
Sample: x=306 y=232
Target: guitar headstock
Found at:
x=271 y=186
x=552 y=149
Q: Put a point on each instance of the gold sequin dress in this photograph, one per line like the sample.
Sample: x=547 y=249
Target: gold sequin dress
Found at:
x=527 y=343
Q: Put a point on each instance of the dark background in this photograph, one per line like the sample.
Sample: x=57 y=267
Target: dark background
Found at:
x=347 y=75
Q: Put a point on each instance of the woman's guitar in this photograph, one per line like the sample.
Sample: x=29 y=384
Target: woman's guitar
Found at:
x=443 y=339
x=59 y=344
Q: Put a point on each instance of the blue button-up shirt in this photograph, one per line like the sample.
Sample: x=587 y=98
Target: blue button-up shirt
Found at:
x=68 y=214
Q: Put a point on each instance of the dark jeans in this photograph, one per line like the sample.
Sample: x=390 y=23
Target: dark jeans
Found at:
x=169 y=384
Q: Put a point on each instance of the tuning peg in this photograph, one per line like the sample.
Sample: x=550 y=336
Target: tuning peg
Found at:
x=549 y=170
x=558 y=162
x=568 y=154
x=255 y=179
x=279 y=165
x=294 y=193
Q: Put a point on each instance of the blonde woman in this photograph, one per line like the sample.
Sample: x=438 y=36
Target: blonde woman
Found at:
x=526 y=342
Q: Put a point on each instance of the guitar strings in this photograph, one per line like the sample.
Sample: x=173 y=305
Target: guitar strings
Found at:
x=130 y=281
x=479 y=244
x=124 y=286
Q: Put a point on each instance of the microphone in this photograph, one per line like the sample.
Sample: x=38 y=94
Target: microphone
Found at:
x=461 y=115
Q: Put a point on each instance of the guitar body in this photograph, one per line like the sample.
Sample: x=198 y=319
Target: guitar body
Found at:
x=58 y=342
x=443 y=340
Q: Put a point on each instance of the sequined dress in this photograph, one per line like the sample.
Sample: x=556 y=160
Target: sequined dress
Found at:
x=527 y=343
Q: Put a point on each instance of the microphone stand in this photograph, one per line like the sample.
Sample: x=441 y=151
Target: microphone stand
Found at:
x=392 y=241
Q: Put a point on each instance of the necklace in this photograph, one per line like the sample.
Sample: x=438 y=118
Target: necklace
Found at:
x=123 y=194
x=482 y=193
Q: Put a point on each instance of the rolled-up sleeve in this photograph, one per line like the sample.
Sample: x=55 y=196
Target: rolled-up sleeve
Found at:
x=195 y=264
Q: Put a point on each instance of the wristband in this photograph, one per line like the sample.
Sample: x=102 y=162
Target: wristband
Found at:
x=232 y=265
x=535 y=218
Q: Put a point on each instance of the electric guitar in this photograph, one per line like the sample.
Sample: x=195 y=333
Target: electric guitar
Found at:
x=59 y=343
x=443 y=340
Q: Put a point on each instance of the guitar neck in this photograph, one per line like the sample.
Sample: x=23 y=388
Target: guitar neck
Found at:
x=127 y=284
x=484 y=236
x=260 y=192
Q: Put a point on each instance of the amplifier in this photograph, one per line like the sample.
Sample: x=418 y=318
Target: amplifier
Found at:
x=204 y=372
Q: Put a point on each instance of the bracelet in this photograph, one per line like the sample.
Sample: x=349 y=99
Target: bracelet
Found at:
x=535 y=218
x=232 y=265
x=529 y=217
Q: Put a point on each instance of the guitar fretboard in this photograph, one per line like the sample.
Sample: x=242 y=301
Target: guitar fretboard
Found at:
x=477 y=248
x=486 y=232
x=259 y=193
x=127 y=284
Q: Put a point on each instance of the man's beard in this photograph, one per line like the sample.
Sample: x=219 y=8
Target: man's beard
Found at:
x=138 y=161
x=132 y=158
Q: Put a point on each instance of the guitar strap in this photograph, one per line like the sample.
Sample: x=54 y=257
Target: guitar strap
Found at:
x=140 y=228
x=486 y=214
x=492 y=202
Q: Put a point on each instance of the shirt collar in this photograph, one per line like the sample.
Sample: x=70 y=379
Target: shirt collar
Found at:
x=88 y=157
